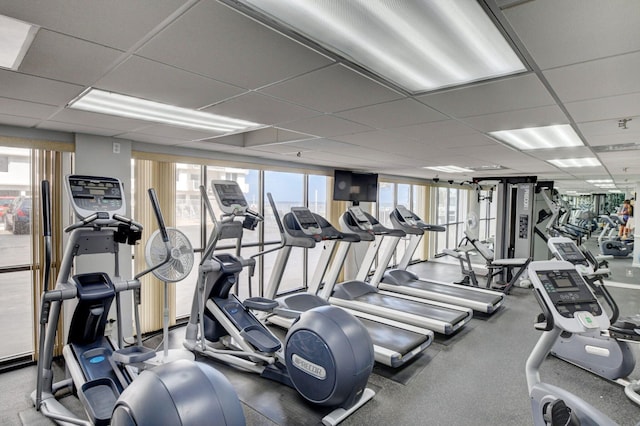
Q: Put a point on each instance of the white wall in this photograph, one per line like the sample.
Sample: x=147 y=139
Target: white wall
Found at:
x=95 y=156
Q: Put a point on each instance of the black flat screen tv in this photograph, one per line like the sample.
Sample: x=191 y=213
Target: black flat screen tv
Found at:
x=352 y=186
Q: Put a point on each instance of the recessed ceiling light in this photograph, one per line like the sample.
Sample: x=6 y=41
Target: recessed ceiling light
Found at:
x=557 y=136
x=605 y=185
x=487 y=167
x=419 y=46
x=449 y=169
x=575 y=162
x=595 y=181
x=615 y=191
x=103 y=102
x=15 y=38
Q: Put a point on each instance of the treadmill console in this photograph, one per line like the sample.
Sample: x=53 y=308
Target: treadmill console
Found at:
x=406 y=215
x=360 y=218
x=574 y=307
x=96 y=194
x=566 y=249
x=306 y=221
x=230 y=197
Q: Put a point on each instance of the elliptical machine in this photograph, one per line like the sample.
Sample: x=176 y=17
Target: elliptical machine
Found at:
x=605 y=353
x=99 y=369
x=568 y=305
x=327 y=355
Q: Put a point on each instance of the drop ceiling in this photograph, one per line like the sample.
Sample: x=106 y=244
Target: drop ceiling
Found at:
x=583 y=61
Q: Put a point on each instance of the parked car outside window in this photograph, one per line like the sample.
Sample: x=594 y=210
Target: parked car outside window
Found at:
x=5 y=203
x=18 y=216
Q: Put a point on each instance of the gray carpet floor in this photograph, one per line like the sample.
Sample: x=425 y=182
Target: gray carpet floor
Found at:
x=475 y=378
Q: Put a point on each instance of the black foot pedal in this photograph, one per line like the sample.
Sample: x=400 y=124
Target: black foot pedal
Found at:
x=557 y=413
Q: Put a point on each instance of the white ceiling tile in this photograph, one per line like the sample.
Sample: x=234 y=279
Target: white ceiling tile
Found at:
x=325 y=126
x=332 y=89
x=507 y=94
x=77 y=128
x=610 y=76
x=116 y=23
x=558 y=153
x=398 y=113
x=376 y=139
x=35 y=89
x=608 y=132
x=13 y=120
x=272 y=135
x=25 y=109
x=260 y=109
x=518 y=119
x=162 y=83
x=63 y=58
x=437 y=132
x=564 y=32
x=175 y=132
x=97 y=120
x=141 y=137
x=215 y=41
x=209 y=146
x=614 y=107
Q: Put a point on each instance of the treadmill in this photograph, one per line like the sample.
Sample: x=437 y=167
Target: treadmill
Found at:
x=401 y=281
x=394 y=343
x=357 y=295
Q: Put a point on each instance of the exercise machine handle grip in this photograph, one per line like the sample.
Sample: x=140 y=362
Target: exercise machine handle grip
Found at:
x=46 y=207
x=156 y=210
x=546 y=312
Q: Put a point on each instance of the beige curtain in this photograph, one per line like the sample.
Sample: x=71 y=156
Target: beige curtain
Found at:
x=45 y=165
x=162 y=177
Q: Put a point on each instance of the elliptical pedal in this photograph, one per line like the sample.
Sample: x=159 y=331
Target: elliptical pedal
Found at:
x=557 y=413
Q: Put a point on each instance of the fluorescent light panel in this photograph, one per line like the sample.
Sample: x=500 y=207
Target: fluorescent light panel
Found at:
x=596 y=181
x=575 y=162
x=557 y=136
x=15 y=38
x=449 y=169
x=103 y=102
x=420 y=46
x=605 y=185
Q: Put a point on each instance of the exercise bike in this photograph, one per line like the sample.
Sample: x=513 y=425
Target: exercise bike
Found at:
x=605 y=353
x=568 y=305
x=327 y=355
x=102 y=372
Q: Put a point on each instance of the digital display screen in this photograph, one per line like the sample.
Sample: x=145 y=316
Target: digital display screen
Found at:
x=227 y=189
x=96 y=191
x=563 y=283
x=305 y=217
x=404 y=212
x=358 y=214
x=352 y=186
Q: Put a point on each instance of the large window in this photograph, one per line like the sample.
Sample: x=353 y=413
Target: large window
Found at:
x=451 y=207
x=21 y=242
x=15 y=252
x=487 y=222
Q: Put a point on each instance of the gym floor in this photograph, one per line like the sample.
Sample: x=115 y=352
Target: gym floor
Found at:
x=473 y=378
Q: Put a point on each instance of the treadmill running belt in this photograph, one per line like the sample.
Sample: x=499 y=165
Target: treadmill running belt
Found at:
x=393 y=338
x=476 y=296
x=450 y=316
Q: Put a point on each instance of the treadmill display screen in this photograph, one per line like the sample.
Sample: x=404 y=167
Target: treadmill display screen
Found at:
x=358 y=214
x=305 y=218
x=404 y=212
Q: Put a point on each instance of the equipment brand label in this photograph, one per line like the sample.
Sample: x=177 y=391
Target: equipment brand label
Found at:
x=309 y=367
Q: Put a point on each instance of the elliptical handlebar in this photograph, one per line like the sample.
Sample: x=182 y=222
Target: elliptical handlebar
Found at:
x=156 y=210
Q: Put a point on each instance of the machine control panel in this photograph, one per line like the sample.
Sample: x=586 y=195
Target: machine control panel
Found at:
x=568 y=295
x=95 y=194
x=360 y=218
x=306 y=221
x=408 y=217
x=566 y=249
x=230 y=197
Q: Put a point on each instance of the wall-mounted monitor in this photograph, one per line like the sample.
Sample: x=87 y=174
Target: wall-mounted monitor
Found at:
x=353 y=186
